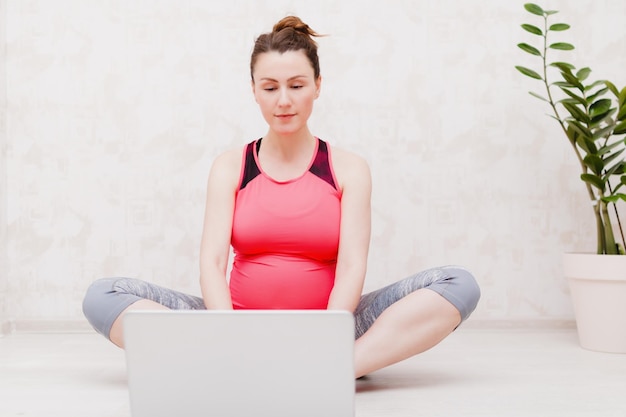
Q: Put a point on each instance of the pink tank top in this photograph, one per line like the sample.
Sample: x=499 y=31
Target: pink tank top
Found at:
x=285 y=235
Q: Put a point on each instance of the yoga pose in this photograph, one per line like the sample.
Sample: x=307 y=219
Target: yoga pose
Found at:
x=296 y=212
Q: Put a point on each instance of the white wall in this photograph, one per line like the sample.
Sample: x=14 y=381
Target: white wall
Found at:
x=117 y=109
x=3 y=172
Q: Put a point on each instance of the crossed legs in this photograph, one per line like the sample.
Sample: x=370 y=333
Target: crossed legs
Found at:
x=410 y=326
x=392 y=324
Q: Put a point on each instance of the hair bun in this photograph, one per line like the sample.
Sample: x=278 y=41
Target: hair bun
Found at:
x=294 y=23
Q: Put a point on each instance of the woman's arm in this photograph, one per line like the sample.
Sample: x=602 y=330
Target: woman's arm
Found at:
x=216 y=233
x=354 y=178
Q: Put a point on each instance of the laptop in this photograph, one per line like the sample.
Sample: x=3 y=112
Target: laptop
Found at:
x=243 y=363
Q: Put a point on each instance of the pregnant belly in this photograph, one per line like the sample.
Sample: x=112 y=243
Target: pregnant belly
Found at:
x=278 y=283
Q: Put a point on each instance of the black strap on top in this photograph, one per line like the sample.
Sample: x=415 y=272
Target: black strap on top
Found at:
x=250 y=170
x=320 y=167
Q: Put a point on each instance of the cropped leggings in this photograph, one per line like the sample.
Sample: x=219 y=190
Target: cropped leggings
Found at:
x=106 y=298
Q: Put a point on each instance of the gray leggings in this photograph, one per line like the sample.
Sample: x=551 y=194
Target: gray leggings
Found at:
x=106 y=298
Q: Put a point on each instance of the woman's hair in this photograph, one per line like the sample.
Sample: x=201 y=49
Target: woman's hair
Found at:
x=289 y=34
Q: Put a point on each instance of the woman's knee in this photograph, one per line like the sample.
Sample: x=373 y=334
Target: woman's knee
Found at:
x=102 y=304
x=462 y=290
x=93 y=296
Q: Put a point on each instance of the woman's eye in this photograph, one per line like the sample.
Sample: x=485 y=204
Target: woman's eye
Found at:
x=269 y=88
x=296 y=86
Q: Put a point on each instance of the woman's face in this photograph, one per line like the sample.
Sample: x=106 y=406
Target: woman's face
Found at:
x=285 y=88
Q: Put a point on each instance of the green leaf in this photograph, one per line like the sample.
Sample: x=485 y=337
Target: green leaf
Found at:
x=604 y=133
x=554 y=117
x=611 y=87
x=530 y=49
x=563 y=65
x=607 y=148
x=532 y=29
x=538 y=96
x=593 y=180
x=550 y=12
x=623 y=179
x=582 y=130
x=583 y=73
x=589 y=144
x=594 y=163
x=559 y=27
x=614 y=198
x=573 y=136
x=534 y=9
x=619 y=167
x=610 y=199
x=622 y=114
x=622 y=97
x=599 y=107
x=602 y=117
x=528 y=72
x=571 y=78
x=595 y=95
x=576 y=98
x=577 y=113
x=613 y=156
x=594 y=84
x=621 y=170
x=563 y=84
x=582 y=142
x=562 y=46
x=620 y=129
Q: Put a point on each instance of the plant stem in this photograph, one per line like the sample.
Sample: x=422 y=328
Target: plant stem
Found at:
x=619 y=223
x=610 y=246
x=600 y=229
x=592 y=196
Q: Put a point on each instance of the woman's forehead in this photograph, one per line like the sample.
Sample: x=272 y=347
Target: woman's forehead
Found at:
x=282 y=66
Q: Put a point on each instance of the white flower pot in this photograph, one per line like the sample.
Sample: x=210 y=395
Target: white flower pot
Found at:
x=598 y=289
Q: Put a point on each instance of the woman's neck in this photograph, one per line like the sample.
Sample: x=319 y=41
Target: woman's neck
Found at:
x=285 y=157
x=288 y=147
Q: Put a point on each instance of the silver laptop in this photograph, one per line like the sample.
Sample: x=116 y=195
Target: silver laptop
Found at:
x=240 y=363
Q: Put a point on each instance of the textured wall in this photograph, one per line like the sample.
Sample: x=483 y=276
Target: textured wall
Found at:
x=116 y=110
x=3 y=170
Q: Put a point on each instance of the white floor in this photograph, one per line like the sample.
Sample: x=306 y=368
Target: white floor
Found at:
x=475 y=372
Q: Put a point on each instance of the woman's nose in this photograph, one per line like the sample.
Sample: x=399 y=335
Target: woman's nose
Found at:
x=283 y=97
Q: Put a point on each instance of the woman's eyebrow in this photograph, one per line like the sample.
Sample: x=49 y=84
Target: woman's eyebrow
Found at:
x=289 y=79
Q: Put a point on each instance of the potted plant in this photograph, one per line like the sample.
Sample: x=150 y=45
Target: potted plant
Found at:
x=592 y=117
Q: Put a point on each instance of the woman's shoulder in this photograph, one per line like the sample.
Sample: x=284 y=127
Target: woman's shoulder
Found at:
x=344 y=158
x=349 y=166
x=229 y=156
x=227 y=165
